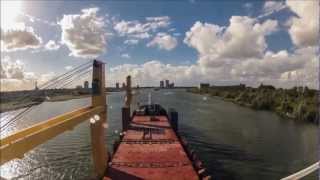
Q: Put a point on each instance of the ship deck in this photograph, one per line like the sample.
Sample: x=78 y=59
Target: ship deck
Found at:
x=150 y=149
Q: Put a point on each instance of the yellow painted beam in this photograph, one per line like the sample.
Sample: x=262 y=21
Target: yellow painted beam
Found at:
x=17 y=144
x=36 y=127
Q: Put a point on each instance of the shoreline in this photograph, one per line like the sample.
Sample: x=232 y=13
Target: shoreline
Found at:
x=302 y=109
x=11 y=105
x=286 y=116
x=15 y=105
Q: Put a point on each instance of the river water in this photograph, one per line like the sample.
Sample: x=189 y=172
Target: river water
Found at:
x=233 y=142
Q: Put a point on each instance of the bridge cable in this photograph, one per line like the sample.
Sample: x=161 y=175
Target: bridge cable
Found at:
x=53 y=82
x=80 y=72
x=29 y=107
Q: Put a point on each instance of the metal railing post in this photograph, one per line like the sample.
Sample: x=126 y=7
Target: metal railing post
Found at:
x=125 y=118
x=126 y=109
x=173 y=118
x=128 y=92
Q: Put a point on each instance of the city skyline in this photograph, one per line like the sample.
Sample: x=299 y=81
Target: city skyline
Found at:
x=222 y=43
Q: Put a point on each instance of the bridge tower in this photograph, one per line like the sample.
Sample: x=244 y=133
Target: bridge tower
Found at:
x=99 y=152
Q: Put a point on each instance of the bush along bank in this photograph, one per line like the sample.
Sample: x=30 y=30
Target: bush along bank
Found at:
x=298 y=103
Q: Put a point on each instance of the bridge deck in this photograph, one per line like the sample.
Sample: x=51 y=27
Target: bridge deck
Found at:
x=150 y=149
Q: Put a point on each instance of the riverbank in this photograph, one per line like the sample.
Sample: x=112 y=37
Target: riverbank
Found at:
x=14 y=104
x=297 y=103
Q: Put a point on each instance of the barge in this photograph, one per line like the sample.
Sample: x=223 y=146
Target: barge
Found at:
x=150 y=147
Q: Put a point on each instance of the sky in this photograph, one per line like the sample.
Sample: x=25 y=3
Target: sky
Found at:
x=187 y=42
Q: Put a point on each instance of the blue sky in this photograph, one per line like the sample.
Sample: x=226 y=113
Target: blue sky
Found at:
x=171 y=47
x=182 y=19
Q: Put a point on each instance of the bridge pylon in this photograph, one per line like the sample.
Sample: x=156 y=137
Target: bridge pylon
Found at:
x=99 y=151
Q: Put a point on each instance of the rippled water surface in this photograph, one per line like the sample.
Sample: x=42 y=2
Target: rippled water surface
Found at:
x=233 y=142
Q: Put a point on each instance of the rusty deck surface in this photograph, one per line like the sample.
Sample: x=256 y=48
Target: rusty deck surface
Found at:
x=150 y=149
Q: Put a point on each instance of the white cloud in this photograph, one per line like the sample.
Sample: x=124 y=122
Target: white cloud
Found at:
x=144 y=35
x=129 y=27
x=52 y=45
x=163 y=41
x=84 y=34
x=272 y=65
x=238 y=53
x=13 y=74
x=151 y=72
x=304 y=29
x=15 y=77
x=36 y=19
x=68 y=68
x=163 y=19
x=19 y=37
x=155 y=23
x=27 y=83
x=131 y=41
x=13 y=85
x=243 y=38
x=234 y=54
x=201 y=36
x=309 y=74
x=127 y=56
x=271 y=7
x=141 y=30
x=272 y=68
x=248 y=5
x=11 y=69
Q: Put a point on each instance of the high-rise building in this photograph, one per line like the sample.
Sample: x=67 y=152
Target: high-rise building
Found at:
x=161 y=84
x=86 y=85
x=167 y=83
x=36 y=86
x=78 y=87
x=204 y=87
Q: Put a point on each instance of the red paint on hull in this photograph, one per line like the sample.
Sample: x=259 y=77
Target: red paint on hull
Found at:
x=150 y=149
